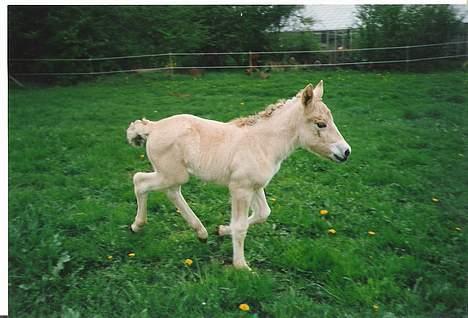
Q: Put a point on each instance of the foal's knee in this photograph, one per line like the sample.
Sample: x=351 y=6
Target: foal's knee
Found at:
x=172 y=195
x=239 y=229
x=261 y=216
x=264 y=214
x=139 y=179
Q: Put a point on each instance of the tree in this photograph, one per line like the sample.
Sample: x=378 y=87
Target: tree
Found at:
x=100 y=31
x=401 y=25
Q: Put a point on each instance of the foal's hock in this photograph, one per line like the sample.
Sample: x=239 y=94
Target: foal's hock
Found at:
x=243 y=154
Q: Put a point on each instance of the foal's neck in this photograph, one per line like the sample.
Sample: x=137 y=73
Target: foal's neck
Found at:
x=278 y=135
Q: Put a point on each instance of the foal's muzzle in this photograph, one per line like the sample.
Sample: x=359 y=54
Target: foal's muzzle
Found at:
x=340 y=151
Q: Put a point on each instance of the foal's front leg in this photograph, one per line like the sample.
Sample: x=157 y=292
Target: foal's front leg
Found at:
x=260 y=212
x=241 y=200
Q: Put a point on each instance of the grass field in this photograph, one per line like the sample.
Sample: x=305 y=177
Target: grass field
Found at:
x=71 y=200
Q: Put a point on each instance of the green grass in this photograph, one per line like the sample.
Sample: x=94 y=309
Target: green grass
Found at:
x=71 y=200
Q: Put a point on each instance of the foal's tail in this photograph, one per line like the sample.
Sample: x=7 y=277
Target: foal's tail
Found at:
x=138 y=132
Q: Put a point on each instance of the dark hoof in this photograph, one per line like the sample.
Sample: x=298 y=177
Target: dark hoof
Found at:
x=130 y=229
x=203 y=240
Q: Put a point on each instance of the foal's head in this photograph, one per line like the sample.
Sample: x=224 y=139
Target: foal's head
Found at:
x=317 y=132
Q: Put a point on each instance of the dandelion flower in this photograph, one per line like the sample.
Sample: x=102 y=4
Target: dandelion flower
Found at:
x=375 y=307
x=331 y=231
x=435 y=200
x=188 y=262
x=458 y=229
x=142 y=156
x=244 y=307
x=323 y=212
x=371 y=233
x=131 y=254
x=109 y=257
x=273 y=199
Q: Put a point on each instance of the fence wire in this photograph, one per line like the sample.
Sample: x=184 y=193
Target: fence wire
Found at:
x=231 y=53
x=171 y=65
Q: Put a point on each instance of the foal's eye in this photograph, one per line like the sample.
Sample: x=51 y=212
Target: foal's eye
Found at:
x=321 y=125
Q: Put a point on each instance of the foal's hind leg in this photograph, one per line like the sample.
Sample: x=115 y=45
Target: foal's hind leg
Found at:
x=145 y=182
x=175 y=195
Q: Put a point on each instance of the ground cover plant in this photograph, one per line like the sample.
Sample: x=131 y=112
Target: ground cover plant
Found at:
x=390 y=239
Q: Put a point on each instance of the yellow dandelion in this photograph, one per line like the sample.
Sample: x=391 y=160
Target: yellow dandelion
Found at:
x=142 y=156
x=435 y=200
x=188 y=262
x=458 y=229
x=244 y=307
x=371 y=233
x=131 y=254
x=331 y=231
x=109 y=257
x=323 y=212
x=375 y=307
x=273 y=199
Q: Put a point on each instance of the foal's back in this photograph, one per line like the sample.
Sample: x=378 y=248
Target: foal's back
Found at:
x=203 y=147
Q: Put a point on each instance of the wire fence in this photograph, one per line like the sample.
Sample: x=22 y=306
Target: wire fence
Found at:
x=255 y=60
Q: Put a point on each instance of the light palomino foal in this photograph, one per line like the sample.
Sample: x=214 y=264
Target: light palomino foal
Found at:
x=243 y=154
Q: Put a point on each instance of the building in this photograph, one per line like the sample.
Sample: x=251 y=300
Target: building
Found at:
x=333 y=24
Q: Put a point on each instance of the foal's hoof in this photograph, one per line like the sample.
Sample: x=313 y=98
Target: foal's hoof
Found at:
x=203 y=238
x=202 y=235
x=135 y=228
x=242 y=267
x=223 y=230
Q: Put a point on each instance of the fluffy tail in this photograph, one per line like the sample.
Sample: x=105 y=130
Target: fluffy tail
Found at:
x=138 y=132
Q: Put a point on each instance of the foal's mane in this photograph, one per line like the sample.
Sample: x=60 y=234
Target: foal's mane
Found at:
x=263 y=115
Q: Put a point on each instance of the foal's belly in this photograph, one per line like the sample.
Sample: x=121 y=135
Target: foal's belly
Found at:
x=212 y=167
x=210 y=175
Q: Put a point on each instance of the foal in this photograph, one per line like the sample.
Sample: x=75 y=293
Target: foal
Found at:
x=243 y=154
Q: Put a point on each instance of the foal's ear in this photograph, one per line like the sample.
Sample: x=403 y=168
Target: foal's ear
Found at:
x=307 y=95
x=318 y=90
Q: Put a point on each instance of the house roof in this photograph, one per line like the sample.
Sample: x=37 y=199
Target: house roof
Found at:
x=341 y=17
x=325 y=17
x=462 y=11
x=332 y=17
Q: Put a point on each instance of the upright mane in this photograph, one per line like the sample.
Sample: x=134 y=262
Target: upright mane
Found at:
x=263 y=115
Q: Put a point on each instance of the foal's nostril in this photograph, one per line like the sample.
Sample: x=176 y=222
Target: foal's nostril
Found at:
x=346 y=153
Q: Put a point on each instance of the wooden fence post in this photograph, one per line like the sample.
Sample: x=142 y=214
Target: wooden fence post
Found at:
x=171 y=64
x=407 y=58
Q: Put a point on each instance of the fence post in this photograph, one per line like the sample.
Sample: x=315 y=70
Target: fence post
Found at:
x=171 y=64
x=407 y=58
x=335 y=46
x=466 y=41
